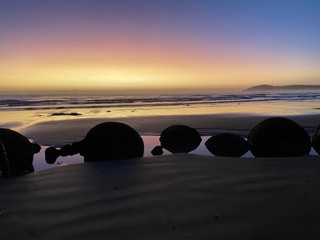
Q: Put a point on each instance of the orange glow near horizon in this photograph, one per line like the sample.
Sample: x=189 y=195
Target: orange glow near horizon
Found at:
x=34 y=66
x=109 y=46
x=85 y=73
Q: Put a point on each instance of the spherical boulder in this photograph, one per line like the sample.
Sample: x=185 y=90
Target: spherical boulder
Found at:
x=111 y=141
x=105 y=141
x=16 y=153
x=279 y=137
x=227 y=145
x=178 y=139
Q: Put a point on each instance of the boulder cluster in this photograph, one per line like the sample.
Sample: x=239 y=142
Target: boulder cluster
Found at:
x=105 y=141
x=273 y=137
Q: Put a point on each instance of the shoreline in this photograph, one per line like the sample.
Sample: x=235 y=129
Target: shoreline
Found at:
x=61 y=132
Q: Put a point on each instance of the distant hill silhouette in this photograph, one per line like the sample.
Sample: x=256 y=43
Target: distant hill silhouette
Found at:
x=265 y=87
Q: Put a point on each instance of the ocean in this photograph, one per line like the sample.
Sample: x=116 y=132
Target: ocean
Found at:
x=19 y=111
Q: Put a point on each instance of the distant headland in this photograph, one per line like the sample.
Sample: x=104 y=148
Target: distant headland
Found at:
x=265 y=87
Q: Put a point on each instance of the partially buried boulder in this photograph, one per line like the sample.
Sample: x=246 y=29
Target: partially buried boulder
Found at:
x=316 y=140
x=112 y=140
x=178 y=139
x=16 y=153
x=279 y=137
x=105 y=141
x=227 y=145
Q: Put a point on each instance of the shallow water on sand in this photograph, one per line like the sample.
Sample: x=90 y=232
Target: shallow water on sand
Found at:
x=149 y=143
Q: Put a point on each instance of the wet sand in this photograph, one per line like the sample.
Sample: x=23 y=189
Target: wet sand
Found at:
x=178 y=196
x=58 y=133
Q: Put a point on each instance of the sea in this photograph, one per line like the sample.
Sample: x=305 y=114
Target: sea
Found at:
x=17 y=111
x=22 y=110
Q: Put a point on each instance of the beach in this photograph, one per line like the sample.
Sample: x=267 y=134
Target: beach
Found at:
x=62 y=132
x=59 y=119
x=178 y=196
x=175 y=196
x=67 y=131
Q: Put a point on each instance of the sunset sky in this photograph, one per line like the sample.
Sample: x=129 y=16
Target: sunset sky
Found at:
x=148 y=44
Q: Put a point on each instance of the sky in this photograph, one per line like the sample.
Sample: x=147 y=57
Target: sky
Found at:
x=149 y=44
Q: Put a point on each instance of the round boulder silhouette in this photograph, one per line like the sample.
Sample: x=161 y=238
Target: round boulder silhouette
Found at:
x=227 y=145
x=178 y=139
x=105 y=141
x=279 y=137
x=112 y=140
x=16 y=153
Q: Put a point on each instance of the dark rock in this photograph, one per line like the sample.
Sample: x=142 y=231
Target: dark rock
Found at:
x=106 y=141
x=157 y=151
x=66 y=114
x=316 y=140
x=180 y=139
x=4 y=162
x=51 y=155
x=227 y=145
x=112 y=140
x=279 y=137
x=36 y=148
x=16 y=153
